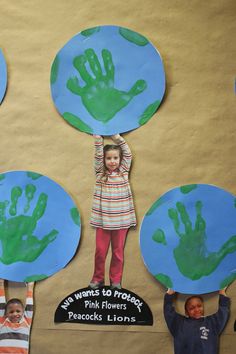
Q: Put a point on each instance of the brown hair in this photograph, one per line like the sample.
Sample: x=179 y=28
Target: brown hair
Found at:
x=110 y=147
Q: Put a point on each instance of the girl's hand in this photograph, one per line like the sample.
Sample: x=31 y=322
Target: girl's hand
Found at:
x=96 y=136
x=116 y=137
x=170 y=291
x=30 y=286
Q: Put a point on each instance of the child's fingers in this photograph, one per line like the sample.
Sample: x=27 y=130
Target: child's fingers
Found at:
x=223 y=291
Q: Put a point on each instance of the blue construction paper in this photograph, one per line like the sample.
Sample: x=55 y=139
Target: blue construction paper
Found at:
x=3 y=76
x=22 y=238
x=188 y=239
x=134 y=61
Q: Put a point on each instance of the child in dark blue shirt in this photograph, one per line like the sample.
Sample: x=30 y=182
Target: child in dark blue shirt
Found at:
x=196 y=333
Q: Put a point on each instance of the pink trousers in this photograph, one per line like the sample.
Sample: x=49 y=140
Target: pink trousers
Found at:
x=103 y=240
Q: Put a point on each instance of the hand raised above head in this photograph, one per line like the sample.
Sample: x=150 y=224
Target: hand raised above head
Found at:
x=30 y=285
x=115 y=137
x=223 y=291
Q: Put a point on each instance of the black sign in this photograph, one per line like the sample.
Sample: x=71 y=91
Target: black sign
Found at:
x=104 y=306
x=235 y=326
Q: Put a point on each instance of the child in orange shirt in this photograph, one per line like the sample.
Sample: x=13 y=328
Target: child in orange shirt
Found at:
x=15 y=322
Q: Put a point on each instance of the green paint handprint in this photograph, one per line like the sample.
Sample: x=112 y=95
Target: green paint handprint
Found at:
x=99 y=96
x=192 y=257
x=16 y=232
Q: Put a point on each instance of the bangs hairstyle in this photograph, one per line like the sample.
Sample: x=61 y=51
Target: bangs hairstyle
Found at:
x=106 y=148
x=190 y=298
x=110 y=147
x=14 y=301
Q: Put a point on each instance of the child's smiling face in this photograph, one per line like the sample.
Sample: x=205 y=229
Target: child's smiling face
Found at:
x=112 y=160
x=195 y=308
x=14 y=312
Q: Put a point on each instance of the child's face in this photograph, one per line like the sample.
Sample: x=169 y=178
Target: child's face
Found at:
x=112 y=159
x=195 y=308
x=14 y=312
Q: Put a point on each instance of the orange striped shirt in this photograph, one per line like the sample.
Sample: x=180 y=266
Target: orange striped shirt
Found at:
x=14 y=337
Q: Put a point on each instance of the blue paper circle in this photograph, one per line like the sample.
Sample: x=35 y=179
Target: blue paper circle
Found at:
x=188 y=239
x=39 y=226
x=3 y=76
x=104 y=102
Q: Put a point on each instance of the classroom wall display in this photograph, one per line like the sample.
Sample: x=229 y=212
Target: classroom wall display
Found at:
x=188 y=239
x=3 y=76
x=39 y=226
x=104 y=306
x=107 y=79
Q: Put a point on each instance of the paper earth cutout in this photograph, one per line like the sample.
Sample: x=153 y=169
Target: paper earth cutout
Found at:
x=188 y=239
x=107 y=80
x=3 y=76
x=39 y=226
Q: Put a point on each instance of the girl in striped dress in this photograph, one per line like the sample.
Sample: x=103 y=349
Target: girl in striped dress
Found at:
x=15 y=322
x=113 y=209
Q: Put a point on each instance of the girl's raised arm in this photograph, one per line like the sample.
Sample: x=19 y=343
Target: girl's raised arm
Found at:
x=98 y=157
x=126 y=152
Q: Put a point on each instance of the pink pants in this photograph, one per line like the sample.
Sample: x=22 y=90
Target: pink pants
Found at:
x=103 y=239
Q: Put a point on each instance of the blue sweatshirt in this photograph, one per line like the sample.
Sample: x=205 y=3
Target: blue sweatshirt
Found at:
x=196 y=336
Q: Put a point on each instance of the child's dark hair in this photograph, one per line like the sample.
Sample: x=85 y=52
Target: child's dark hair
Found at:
x=190 y=298
x=13 y=301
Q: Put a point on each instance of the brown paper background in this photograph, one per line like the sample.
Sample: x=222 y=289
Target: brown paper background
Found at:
x=191 y=139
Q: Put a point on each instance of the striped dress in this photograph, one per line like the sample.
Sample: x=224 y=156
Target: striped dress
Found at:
x=14 y=337
x=113 y=206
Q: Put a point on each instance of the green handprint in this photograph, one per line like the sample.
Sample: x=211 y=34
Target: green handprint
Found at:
x=192 y=256
x=99 y=96
x=16 y=232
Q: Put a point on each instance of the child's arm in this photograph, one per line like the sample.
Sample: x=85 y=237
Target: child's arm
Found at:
x=2 y=300
x=126 y=152
x=221 y=317
x=170 y=291
x=29 y=302
x=171 y=316
x=98 y=157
